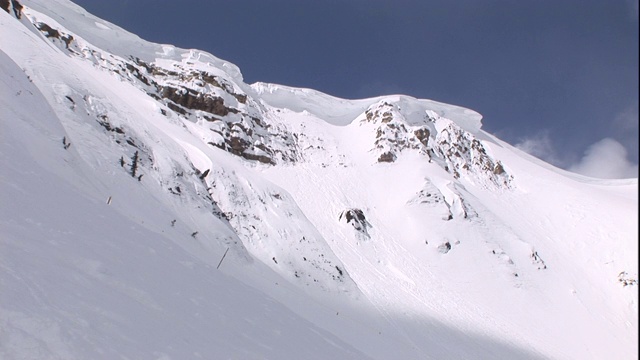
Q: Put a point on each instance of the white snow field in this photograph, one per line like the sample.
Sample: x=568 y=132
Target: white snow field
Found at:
x=154 y=206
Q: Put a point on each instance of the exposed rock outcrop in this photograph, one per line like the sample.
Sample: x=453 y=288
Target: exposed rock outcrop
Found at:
x=237 y=124
x=356 y=218
x=12 y=5
x=626 y=280
x=393 y=133
x=439 y=139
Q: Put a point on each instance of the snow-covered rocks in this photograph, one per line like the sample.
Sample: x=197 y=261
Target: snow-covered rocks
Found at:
x=444 y=247
x=356 y=218
x=537 y=261
x=392 y=132
x=466 y=156
x=439 y=139
x=273 y=227
x=430 y=196
x=12 y=7
x=626 y=280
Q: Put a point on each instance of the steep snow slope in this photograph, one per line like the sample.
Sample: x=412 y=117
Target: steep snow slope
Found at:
x=83 y=279
x=387 y=228
x=479 y=256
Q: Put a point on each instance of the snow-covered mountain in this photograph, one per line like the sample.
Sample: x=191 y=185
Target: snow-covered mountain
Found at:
x=155 y=206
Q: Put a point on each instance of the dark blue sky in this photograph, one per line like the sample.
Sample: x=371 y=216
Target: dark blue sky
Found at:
x=555 y=76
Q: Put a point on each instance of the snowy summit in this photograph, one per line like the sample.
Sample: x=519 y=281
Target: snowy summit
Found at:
x=155 y=206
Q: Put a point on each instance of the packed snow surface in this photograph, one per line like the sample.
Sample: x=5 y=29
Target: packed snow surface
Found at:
x=154 y=206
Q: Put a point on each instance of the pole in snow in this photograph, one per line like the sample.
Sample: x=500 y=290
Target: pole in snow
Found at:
x=225 y=254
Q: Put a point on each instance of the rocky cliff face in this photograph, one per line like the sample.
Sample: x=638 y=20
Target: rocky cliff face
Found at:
x=439 y=139
x=12 y=6
x=194 y=91
x=190 y=91
x=227 y=114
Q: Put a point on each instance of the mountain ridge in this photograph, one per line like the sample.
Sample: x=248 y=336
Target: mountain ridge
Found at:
x=401 y=206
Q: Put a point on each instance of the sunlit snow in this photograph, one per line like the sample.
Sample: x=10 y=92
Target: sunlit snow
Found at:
x=381 y=228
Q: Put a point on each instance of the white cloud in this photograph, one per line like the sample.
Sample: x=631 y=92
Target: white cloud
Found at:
x=625 y=128
x=540 y=146
x=606 y=159
x=627 y=120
